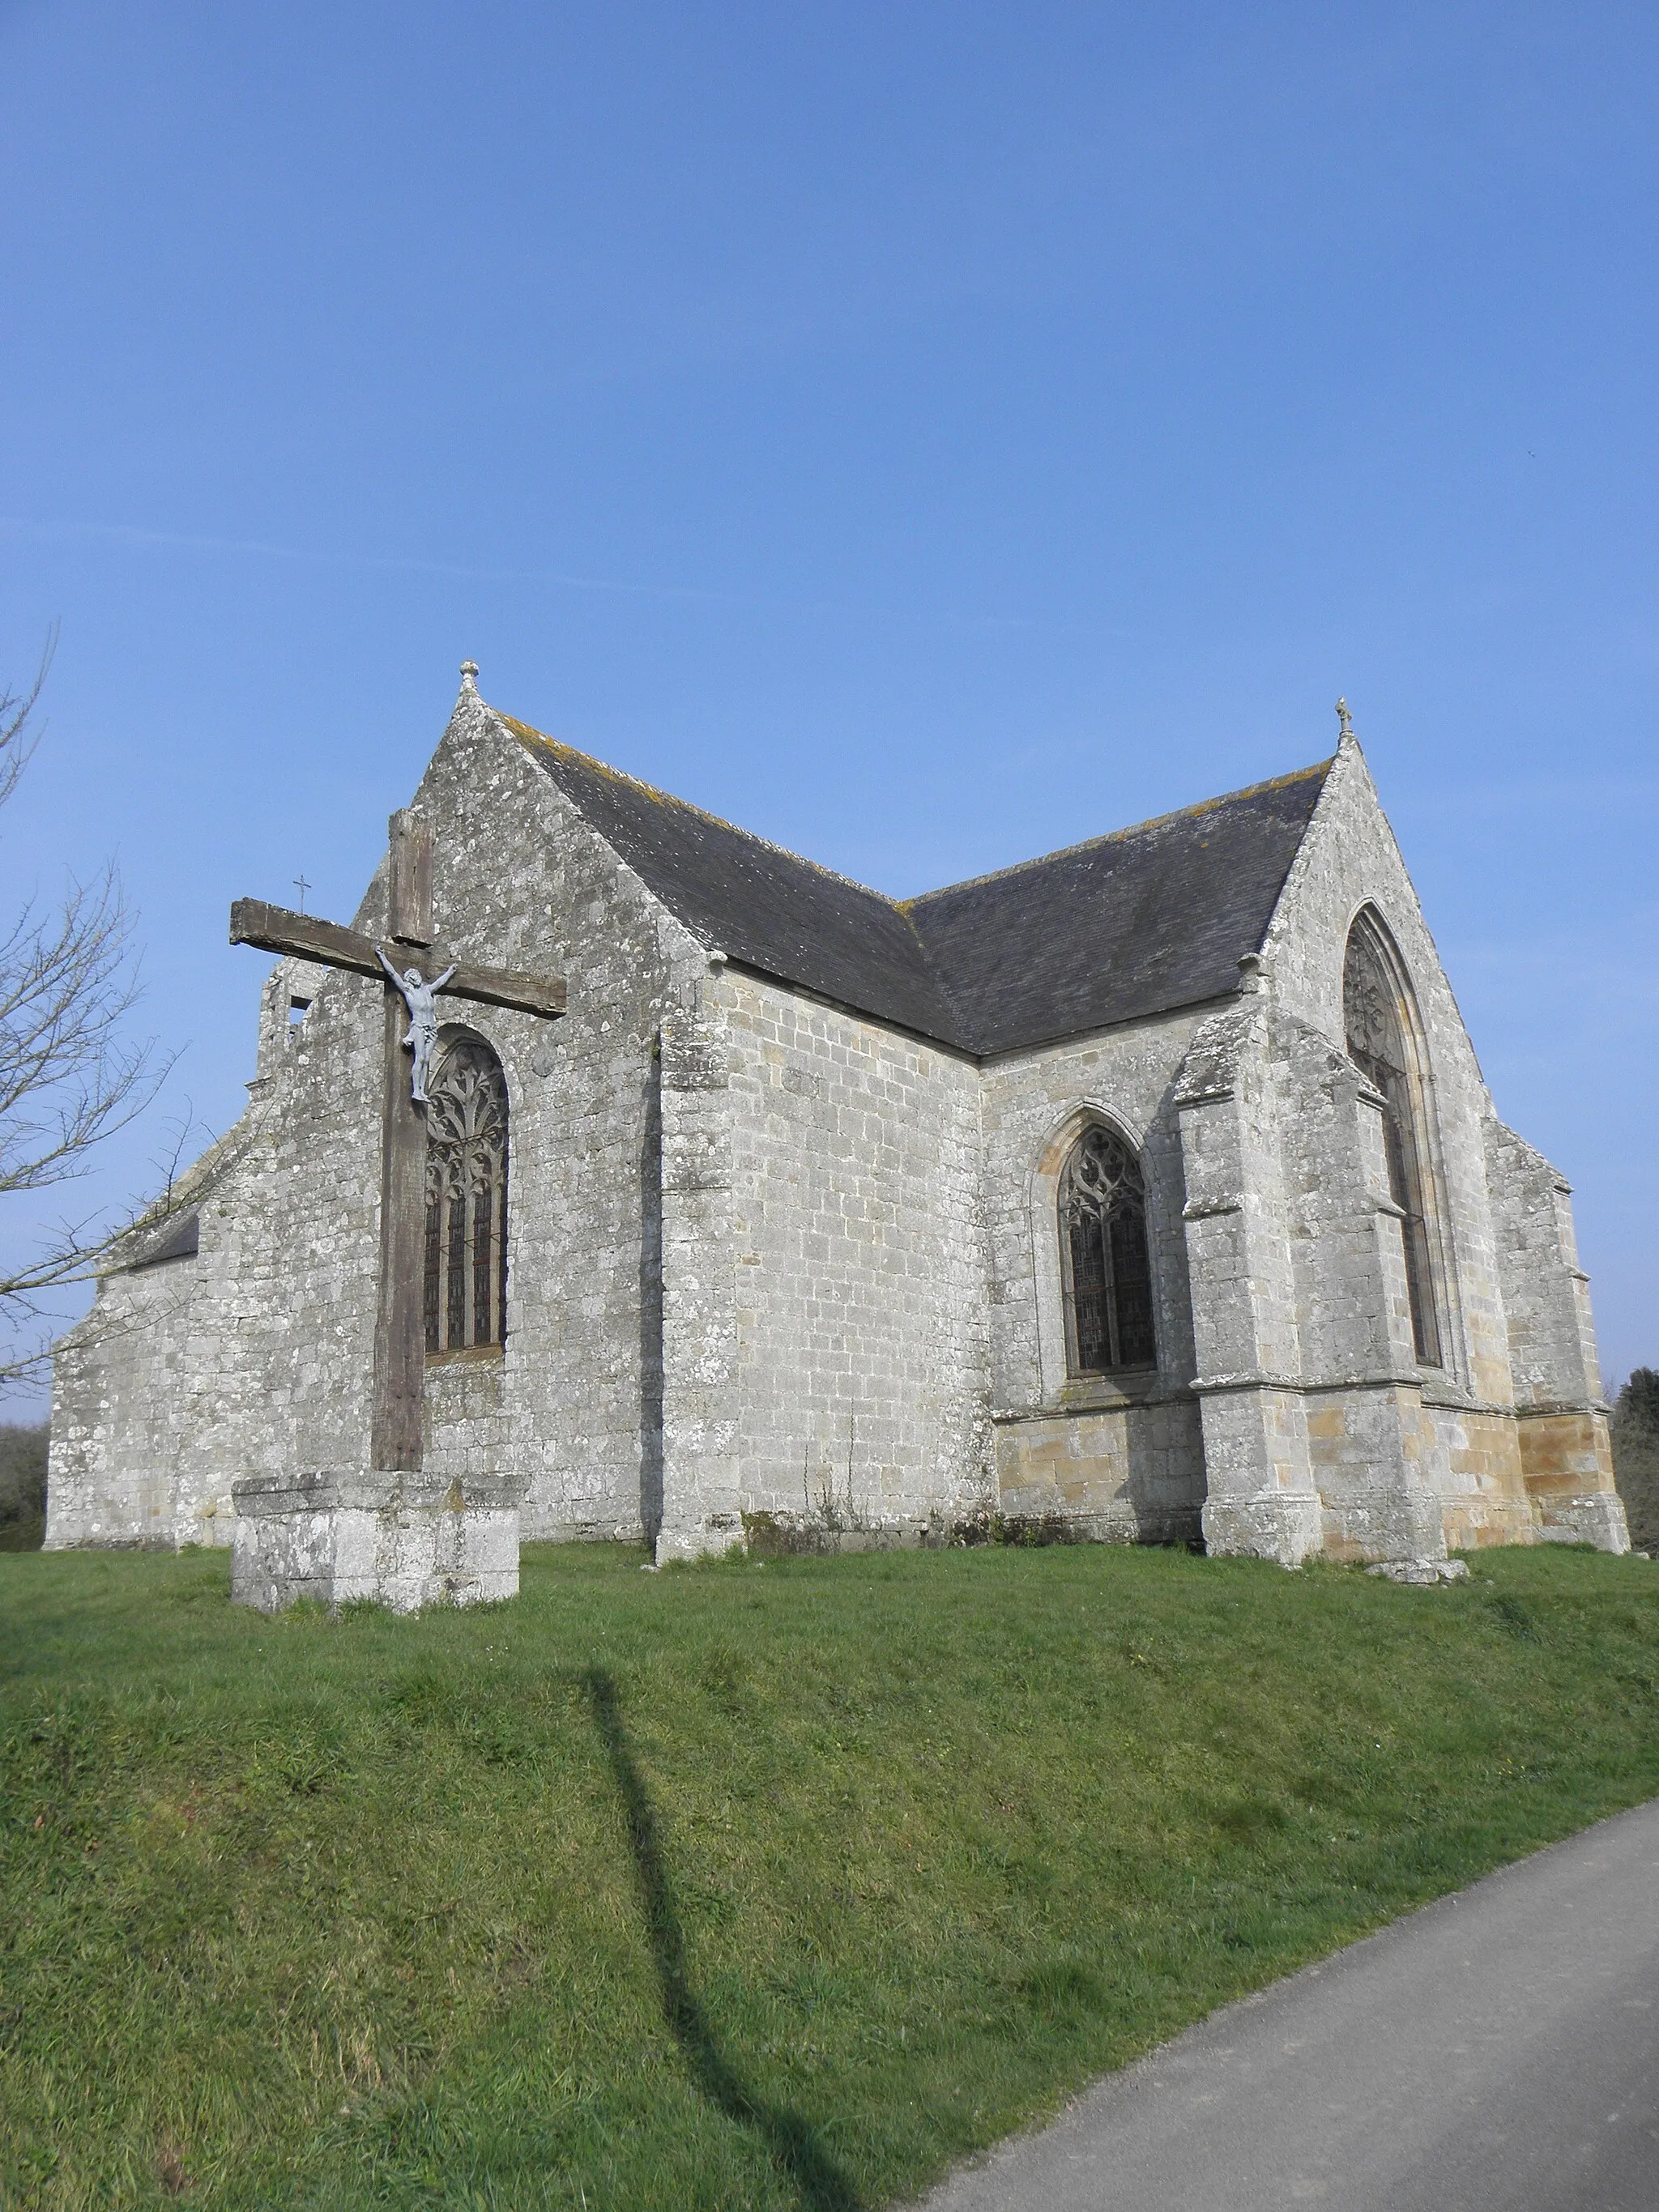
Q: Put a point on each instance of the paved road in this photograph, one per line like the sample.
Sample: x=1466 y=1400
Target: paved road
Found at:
x=1497 y=2052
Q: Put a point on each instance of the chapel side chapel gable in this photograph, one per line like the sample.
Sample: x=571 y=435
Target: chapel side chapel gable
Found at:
x=1350 y=865
x=1328 y=1417
x=1367 y=1413
x=784 y=1225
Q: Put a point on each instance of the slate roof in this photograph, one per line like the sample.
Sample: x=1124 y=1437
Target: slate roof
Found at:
x=755 y=902
x=1138 y=923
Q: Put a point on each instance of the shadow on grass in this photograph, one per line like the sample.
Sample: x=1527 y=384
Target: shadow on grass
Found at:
x=819 y=2181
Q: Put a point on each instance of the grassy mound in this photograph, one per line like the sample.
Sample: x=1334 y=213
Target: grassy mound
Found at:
x=765 y=1885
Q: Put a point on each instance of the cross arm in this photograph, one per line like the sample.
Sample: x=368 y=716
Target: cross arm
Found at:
x=303 y=936
x=502 y=986
x=306 y=937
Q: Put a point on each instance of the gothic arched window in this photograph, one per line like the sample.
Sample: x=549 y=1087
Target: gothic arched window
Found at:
x=467 y=1200
x=1380 y=1039
x=1103 y=1258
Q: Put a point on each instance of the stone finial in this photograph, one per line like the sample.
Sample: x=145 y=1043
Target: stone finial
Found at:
x=1345 y=720
x=469 y=675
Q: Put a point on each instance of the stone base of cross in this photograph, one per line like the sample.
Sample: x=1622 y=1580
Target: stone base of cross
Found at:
x=382 y=1530
x=401 y=1541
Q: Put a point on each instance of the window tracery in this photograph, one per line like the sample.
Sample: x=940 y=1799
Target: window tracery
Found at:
x=467 y=1200
x=1377 y=1020
x=1105 y=1263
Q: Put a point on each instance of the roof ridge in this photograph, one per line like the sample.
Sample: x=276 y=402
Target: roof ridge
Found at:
x=527 y=732
x=1111 y=836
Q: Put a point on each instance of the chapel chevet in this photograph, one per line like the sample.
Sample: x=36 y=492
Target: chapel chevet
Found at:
x=616 y=1174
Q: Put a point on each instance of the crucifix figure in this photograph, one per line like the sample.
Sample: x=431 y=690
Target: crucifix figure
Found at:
x=400 y=1331
x=421 y=998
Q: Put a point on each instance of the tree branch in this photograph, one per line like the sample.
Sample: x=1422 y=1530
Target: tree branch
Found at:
x=70 y=1075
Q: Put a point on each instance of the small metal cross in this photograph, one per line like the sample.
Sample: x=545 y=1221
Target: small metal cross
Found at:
x=302 y=887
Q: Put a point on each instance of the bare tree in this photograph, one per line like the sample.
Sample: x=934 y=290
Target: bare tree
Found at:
x=70 y=1075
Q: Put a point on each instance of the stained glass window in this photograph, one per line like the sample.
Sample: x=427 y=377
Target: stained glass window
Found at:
x=467 y=1200
x=1378 y=1021
x=1108 y=1273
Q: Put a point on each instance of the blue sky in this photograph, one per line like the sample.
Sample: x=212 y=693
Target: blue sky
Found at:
x=925 y=434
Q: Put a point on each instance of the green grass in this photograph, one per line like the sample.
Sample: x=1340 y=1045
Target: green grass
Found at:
x=774 y=1885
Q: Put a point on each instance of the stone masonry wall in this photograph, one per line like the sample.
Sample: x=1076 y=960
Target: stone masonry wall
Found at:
x=117 y=1382
x=254 y=1356
x=702 y=1501
x=1551 y=1340
x=858 y=1264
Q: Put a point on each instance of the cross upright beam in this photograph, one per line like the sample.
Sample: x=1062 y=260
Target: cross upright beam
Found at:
x=395 y=1443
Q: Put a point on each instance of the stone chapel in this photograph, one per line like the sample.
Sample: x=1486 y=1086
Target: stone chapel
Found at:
x=1152 y=1185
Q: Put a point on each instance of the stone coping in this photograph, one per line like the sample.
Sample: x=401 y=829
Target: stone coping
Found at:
x=365 y=1491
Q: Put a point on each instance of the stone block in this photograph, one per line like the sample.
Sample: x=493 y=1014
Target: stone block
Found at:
x=1283 y=1528
x=711 y=1538
x=1421 y=1572
x=1124 y=1475
x=401 y=1540
x=1597 y=1517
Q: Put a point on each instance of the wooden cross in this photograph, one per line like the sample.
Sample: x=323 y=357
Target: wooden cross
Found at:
x=400 y=1324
